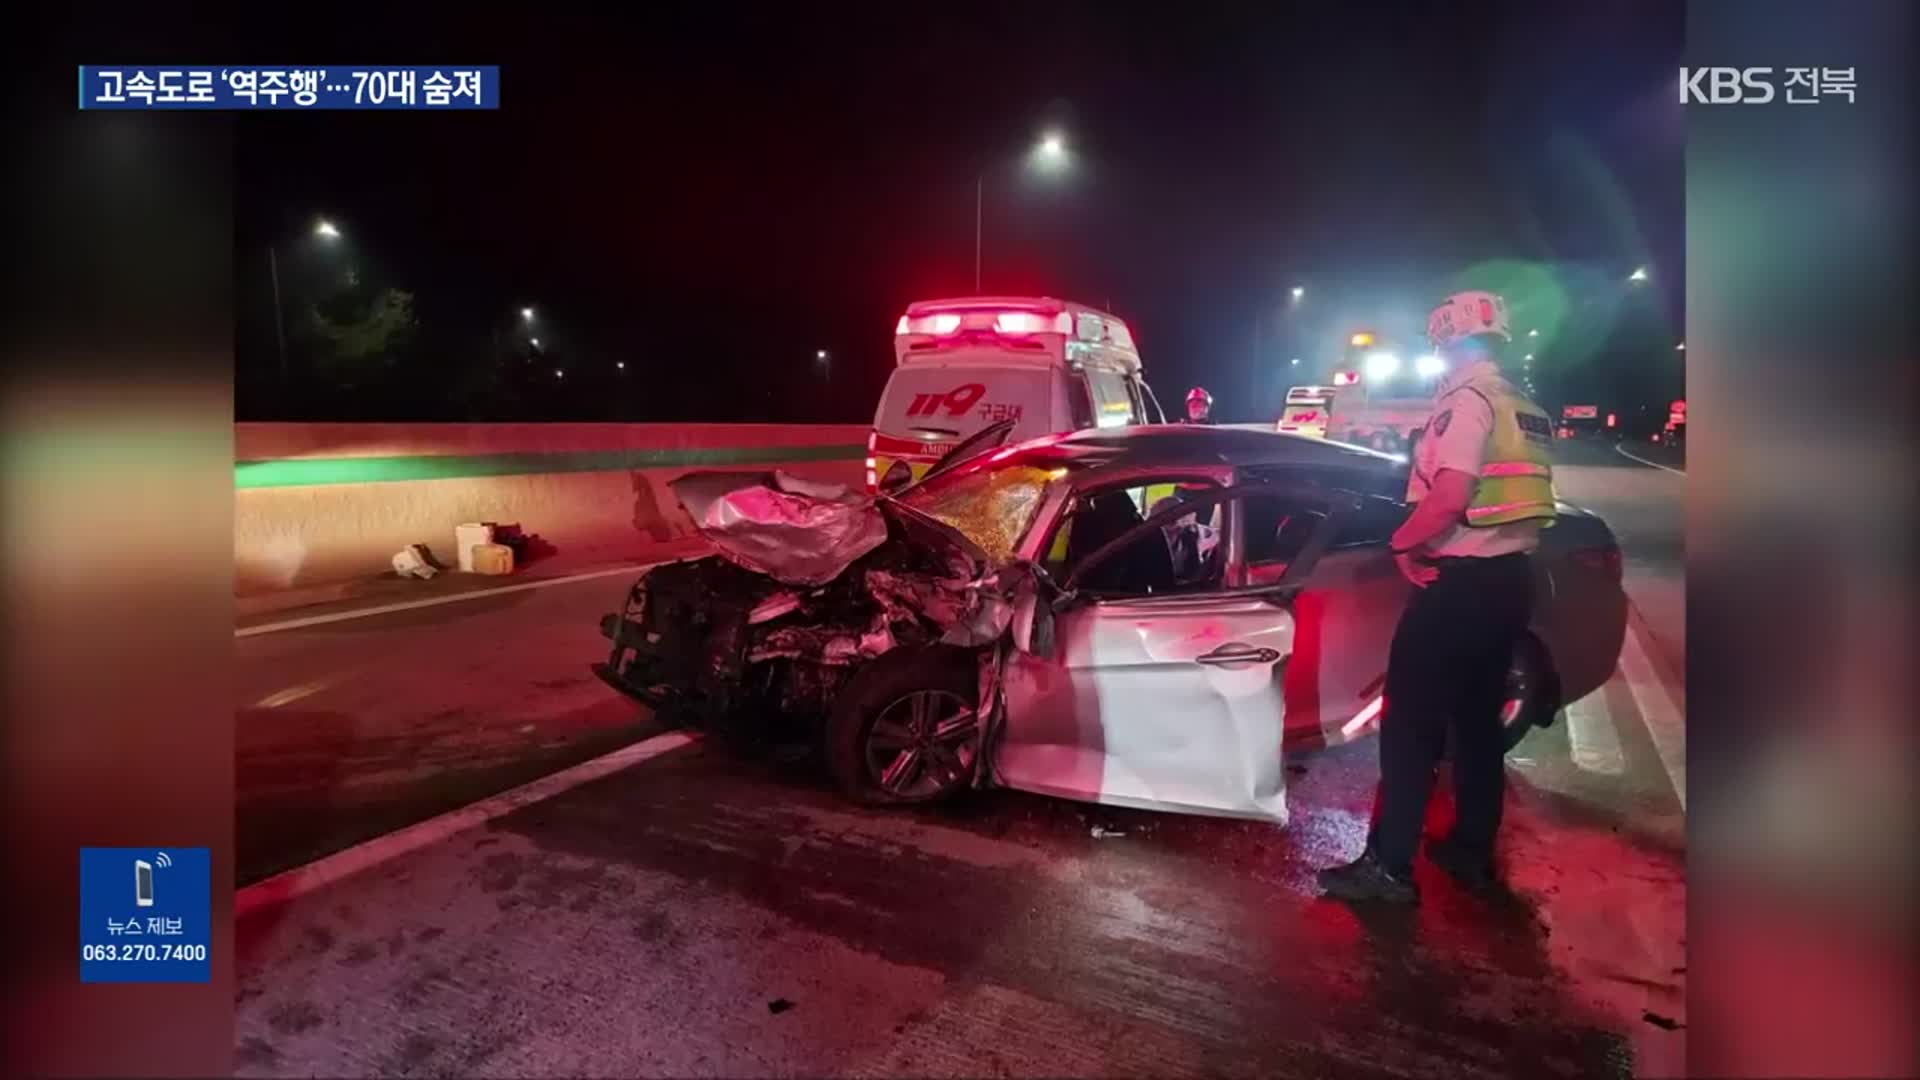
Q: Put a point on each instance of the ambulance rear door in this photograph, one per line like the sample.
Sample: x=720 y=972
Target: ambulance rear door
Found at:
x=927 y=408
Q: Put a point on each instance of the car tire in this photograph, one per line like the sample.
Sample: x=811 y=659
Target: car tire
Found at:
x=918 y=700
x=1533 y=693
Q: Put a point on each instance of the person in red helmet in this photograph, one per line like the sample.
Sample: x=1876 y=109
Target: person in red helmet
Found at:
x=1199 y=406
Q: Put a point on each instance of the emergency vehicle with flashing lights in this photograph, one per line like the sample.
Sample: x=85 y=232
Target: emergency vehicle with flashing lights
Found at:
x=1676 y=428
x=964 y=363
x=1381 y=396
x=1579 y=422
x=1306 y=410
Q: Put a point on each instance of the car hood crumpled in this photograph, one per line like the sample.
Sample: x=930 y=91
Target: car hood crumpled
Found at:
x=793 y=530
x=846 y=598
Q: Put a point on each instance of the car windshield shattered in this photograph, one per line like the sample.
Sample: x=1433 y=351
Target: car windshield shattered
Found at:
x=991 y=507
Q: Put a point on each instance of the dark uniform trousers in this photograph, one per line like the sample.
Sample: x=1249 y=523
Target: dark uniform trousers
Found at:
x=1448 y=670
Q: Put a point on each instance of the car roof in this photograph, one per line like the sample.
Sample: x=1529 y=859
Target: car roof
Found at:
x=1155 y=445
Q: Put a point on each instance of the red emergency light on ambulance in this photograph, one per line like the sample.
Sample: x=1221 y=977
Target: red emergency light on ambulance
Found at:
x=1048 y=365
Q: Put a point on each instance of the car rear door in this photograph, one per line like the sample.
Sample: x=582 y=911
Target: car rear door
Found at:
x=1168 y=701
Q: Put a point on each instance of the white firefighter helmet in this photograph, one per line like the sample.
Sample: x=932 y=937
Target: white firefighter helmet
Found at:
x=1465 y=314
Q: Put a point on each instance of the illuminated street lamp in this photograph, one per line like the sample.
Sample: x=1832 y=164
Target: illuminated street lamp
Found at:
x=559 y=373
x=1639 y=274
x=1533 y=333
x=1682 y=347
x=1295 y=361
x=325 y=230
x=820 y=354
x=1049 y=155
x=1299 y=292
x=526 y=313
x=535 y=342
x=621 y=364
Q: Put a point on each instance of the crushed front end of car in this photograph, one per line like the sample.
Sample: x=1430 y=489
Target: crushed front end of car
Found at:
x=810 y=582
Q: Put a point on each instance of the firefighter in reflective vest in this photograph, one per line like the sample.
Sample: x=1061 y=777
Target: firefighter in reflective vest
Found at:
x=1482 y=485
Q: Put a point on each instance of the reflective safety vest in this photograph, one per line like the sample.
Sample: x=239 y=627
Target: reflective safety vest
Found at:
x=1516 y=478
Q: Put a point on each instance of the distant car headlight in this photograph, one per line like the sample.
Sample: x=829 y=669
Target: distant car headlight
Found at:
x=1382 y=365
x=899 y=475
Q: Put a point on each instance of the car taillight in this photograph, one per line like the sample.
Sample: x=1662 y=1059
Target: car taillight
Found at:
x=1021 y=322
x=1603 y=560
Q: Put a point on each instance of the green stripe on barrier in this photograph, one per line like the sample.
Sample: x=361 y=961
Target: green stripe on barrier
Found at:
x=295 y=472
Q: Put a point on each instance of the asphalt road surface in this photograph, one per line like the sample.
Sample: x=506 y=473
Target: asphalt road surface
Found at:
x=1644 y=502
x=699 y=914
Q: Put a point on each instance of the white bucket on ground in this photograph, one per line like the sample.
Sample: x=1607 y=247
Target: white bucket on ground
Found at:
x=465 y=537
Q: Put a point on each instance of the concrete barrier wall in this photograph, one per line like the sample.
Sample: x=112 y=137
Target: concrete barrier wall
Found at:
x=319 y=504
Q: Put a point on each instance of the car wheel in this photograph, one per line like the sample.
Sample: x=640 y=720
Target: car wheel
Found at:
x=906 y=729
x=1532 y=693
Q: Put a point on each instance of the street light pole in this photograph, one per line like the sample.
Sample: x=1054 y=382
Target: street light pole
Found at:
x=1050 y=154
x=979 y=183
x=279 y=323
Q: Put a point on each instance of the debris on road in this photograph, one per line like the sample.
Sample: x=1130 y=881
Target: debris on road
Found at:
x=526 y=546
x=778 y=1006
x=1101 y=832
x=415 y=561
x=466 y=537
x=492 y=559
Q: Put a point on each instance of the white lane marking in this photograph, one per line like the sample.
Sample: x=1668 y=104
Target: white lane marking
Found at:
x=408 y=605
x=1622 y=451
x=1595 y=743
x=1666 y=722
x=292 y=694
x=301 y=880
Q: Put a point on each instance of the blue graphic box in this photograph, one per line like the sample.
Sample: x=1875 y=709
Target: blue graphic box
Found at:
x=146 y=914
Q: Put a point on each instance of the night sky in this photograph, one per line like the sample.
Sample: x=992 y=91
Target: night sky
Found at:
x=710 y=196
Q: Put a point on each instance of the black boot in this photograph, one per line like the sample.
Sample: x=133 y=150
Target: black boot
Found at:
x=1366 y=878
x=1473 y=872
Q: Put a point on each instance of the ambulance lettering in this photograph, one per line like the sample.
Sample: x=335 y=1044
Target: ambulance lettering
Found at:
x=956 y=401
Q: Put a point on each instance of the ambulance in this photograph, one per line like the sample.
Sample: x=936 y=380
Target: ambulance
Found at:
x=1307 y=410
x=961 y=364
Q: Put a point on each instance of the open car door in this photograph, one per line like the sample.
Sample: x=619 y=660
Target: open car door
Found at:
x=1164 y=701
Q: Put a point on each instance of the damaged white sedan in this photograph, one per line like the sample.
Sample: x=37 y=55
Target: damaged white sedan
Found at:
x=1142 y=617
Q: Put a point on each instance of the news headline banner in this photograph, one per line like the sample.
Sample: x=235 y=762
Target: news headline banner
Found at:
x=295 y=87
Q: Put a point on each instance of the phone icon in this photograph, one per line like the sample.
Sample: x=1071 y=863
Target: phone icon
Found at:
x=142 y=883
